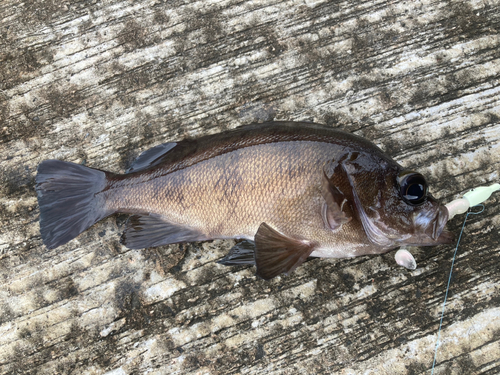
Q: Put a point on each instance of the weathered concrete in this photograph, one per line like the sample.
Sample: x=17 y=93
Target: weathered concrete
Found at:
x=99 y=82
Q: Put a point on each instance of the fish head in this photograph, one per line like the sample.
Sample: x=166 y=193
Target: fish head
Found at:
x=394 y=204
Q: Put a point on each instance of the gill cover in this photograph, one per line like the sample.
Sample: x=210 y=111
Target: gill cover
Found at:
x=367 y=179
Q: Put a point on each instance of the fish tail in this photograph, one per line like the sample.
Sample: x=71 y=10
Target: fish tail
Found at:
x=68 y=199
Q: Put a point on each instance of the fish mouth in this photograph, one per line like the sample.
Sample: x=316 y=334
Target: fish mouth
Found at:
x=436 y=229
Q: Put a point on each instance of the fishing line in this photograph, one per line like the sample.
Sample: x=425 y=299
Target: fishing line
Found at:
x=449 y=281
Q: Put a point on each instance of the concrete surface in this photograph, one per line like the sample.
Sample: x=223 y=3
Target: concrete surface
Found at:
x=97 y=82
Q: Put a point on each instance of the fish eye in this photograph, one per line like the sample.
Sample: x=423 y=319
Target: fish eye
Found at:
x=412 y=187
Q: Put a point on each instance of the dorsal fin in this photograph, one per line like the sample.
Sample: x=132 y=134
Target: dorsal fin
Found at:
x=151 y=157
x=276 y=253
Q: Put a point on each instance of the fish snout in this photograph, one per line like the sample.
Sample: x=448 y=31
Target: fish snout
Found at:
x=430 y=227
x=436 y=229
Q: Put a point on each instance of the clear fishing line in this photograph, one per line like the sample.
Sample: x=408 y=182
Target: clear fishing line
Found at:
x=449 y=281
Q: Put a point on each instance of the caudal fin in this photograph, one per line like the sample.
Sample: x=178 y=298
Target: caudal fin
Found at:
x=68 y=200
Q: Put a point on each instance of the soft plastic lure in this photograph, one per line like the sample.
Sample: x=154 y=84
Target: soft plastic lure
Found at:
x=459 y=206
x=471 y=199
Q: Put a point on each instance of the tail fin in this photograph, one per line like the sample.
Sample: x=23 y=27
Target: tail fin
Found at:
x=67 y=199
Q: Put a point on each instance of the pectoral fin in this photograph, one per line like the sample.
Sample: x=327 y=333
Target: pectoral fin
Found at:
x=332 y=213
x=276 y=253
x=151 y=231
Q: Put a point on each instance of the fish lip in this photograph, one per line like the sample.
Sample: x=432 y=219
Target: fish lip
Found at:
x=437 y=231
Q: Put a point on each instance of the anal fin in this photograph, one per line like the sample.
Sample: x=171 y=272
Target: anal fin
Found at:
x=144 y=231
x=276 y=253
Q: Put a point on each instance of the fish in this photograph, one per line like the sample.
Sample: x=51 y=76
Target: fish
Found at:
x=287 y=190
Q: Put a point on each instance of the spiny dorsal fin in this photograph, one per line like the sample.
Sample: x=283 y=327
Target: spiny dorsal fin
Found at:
x=275 y=253
x=151 y=157
x=151 y=231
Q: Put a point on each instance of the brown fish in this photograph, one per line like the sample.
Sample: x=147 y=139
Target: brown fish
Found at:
x=291 y=190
